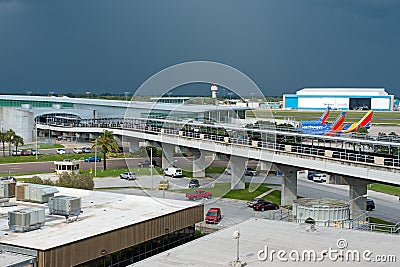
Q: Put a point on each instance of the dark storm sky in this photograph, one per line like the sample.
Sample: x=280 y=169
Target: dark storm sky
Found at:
x=74 y=46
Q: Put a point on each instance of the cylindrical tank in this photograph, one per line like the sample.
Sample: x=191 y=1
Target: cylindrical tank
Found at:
x=322 y=211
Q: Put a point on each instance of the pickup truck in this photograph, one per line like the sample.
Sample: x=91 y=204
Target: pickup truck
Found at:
x=199 y=194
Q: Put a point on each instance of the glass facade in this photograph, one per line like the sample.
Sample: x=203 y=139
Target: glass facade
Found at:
x=35 y=104
x=144 y=250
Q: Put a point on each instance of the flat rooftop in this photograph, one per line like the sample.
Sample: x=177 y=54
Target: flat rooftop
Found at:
x=219 y=248
x=102 y=212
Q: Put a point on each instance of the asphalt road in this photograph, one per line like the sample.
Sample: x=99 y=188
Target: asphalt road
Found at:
x=48 y=166
x=236 y=211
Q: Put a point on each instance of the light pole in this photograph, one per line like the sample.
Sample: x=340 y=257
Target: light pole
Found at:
x=36 y=144
x=151 y=167
x=236 y=235
x=95 y=157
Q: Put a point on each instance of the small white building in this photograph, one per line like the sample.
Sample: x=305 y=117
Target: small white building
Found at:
x=340 y=99
x=66 y=166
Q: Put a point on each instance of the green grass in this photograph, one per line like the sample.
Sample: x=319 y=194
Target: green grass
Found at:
x=47 y=146
x=224 y=190
x=388 y=189
x=117 y=172
x=44 y=157
x=379 y=221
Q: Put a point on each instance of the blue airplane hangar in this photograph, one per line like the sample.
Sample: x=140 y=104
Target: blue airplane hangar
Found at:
x=340 y=99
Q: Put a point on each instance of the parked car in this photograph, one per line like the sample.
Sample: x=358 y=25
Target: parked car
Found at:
x=228 y=171
x=173 y=172
x=147 y=163
x=60 y=151
x=213 y=215
x=78 y=150
x=265 y=205
x=198 y=194
x=163 y=185
x=319 y=178
x=93 y=159
x=34 y=152
x=251 y=172
x=370 y=204
x=16 y=153
x=254 y=201
x=128 y=175
x=194 y=183
x=310 y=175
x=86 y=150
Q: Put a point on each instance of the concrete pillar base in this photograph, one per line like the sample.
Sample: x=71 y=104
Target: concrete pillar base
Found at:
x=199 y=163
x=167 y=158
x=357 y=198
x=238 y=165
x=289 y=183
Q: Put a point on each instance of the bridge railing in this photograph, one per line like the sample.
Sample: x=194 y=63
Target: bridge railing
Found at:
x=132 y=124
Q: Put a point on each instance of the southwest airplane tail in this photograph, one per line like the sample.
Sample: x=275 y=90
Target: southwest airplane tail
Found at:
x=324 y=129
x=338 y=122
x=322 y=120
x=364 y=122
x=324 y=117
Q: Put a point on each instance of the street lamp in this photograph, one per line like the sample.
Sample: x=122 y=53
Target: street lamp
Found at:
x=236 y=235
x=36 y=143
x=95 y=157
x=151 y=167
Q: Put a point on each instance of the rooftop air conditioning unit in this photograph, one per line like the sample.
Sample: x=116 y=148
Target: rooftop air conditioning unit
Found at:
x=26 y=219
x=65 y=205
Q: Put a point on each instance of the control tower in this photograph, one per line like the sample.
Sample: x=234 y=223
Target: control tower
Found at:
x=214 y=90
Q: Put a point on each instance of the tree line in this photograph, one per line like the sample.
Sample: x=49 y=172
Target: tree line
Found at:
x=11 y=138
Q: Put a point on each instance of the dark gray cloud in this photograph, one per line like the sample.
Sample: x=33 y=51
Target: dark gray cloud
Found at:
x=114 y=46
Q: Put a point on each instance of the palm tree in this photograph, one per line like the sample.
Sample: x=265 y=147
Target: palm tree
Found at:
x=10 y=134
x=3 y=140
x=107 y=143
x=17 y=140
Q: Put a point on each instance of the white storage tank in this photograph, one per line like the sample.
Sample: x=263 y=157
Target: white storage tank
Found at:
x=26 y=219
x=321 y=211
x=65 y=205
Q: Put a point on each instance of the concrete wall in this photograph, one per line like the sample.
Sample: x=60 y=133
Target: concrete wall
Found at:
x=21 y=121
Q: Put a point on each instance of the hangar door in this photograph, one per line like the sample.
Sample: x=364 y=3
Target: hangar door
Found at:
x=360 y=103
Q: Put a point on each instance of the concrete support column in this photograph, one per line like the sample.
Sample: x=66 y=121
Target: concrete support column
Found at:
x=265 y=165
x=289 y=183
x=199 y=163
x=238 y=165
x=357 y=198
x=167 y=155
x=133 y=144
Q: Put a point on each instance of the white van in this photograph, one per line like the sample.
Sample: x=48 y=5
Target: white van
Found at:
x=173 y=172
x=319 y=177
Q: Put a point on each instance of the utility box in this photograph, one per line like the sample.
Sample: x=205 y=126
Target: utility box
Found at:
x=26 y=219
x=39 y=193
x=7 y=189
x=65 y=205
x=20 y=192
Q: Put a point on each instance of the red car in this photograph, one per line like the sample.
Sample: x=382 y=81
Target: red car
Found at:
x=213 y=215
x=199 y=194
x=265 y=205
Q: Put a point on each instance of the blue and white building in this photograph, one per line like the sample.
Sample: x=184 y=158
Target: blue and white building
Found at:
x=340 y=99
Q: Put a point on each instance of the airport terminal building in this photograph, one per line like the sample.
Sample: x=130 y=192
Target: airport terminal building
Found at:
x=21 y=112
x=340 y=99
